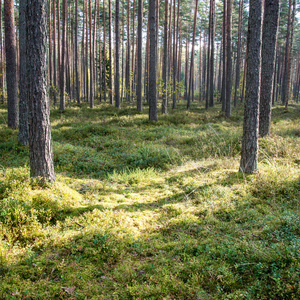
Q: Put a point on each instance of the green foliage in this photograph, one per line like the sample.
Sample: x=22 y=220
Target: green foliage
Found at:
x=152 y=211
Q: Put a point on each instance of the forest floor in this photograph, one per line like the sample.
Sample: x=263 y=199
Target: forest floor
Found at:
x=144 y=210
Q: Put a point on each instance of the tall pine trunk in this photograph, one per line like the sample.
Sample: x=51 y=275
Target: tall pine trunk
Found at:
x=269 y=40
x=165 y=62
x=23 y=105
x=63 y=59
x=40 y=143
x=117 y=57
x=238 y=57
x=11 y=65
x=139 y=58
x=249 y=155
x=152 y=62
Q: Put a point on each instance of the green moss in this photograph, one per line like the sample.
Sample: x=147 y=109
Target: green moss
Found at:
x=151 y=211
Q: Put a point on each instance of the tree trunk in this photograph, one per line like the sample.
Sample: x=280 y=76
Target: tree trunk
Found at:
x=91 y=58
x=110 y=53
x=269 y=40
x=152 y=62
x=212 y=54
x=251 y=117
x=76 y=54
x=23 y=105
x=192 y=57
x=223 y=92
x=104 y=54
x=1 y=60
x=54 y=54
x=11 y=65
x=127 y=75
x=229 y=60
x=117 y=58
x=139 y=58
x=165 y=62
x=238 y=58
x=63 y=60
x=289 y=61
x=40 y=143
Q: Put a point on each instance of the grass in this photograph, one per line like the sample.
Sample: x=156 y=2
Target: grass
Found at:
x=144 y=210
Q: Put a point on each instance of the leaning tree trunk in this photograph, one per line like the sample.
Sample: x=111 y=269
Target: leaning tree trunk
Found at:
x=251 y=117
x=11 y=64
x=269 y=40
x=40 y=144
x=23 y=105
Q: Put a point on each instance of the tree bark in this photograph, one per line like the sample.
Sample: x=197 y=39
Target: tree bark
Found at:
x=110 y=54
x=269 y=40
x=192 y=57
x=139 y=58
x=11 y=65
x=91 y=58
x=229 y=59
x=1 y=60
x=117 y=58
x=165 y=62
x=40 y=143
x=238 y=58
x=152 y=62
x=62 y=104
x=76 y=55
x=249 y=155
x=223 y=92
x=23 y=105
x=104 y=53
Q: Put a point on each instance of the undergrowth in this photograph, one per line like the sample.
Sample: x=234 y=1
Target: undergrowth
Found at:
x=144 y=210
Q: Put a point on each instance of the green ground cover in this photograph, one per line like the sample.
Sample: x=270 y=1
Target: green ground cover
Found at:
x=145 y=210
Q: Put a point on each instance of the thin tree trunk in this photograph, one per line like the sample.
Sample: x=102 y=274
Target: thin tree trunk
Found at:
x=152 y=62
x=289 y=64
x=139 y=58
x=192 y=56
x=238 y=58
x=63 y=60
x=212 y=54
x=104 y=53
x=23 y=105
x=76 y=54
x=54 y=54
x=1 y=59
x=223 y=92
x=229 y=60
x=11 y=65
x=110 y=54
